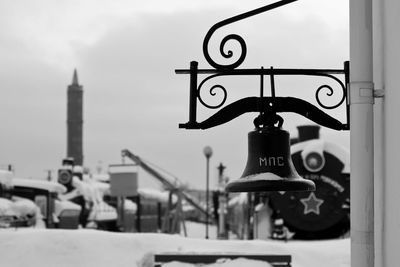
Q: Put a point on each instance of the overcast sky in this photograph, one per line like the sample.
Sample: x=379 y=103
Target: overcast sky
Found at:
x=125 y=52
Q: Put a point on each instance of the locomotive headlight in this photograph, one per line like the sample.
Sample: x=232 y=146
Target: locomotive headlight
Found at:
x=313 y=155
x=314 y=161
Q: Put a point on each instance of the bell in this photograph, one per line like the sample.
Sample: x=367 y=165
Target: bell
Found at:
x=269 y=164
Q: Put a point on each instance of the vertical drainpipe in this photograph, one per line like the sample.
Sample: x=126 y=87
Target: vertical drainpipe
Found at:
x=361 y=134
x=379 y=125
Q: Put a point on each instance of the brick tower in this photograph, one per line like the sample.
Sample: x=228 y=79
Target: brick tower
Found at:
x=75 y=121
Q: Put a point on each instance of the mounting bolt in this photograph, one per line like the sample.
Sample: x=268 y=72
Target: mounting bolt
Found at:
x=379 y=93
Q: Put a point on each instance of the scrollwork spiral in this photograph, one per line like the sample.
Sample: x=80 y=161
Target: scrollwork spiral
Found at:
x=213 y=92
x=330 y=92
x=227 y=54
x=235 y=37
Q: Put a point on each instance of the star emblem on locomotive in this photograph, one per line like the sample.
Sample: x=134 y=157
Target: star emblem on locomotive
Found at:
x=311 y=204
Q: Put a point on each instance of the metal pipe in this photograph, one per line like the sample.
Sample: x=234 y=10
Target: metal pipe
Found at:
x=361 y=134
x=193 y=92
x=262 y=71
x=379 y=126
x=208 y=153
x=207 y=191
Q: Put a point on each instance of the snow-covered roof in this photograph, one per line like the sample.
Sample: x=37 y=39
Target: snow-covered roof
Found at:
x=162 y=196
x=103 y=212
x=62 y=205
x=103 y=177
x=39 y=184
x=17 y=207
x=6 y=207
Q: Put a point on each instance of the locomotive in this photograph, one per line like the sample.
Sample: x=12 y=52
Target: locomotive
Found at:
x=325 y=212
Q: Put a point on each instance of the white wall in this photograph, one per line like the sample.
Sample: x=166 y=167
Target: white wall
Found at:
x=390 y=234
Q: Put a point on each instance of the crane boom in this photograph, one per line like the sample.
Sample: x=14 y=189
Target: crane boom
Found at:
x=162 y=179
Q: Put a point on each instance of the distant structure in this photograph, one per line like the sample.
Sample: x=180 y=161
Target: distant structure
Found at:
x=75 y=121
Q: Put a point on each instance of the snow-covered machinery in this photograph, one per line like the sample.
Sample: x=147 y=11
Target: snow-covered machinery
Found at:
x=174 y=214
x=90 y=193
x=32 y=202
x=46 y=195
x=18 y=212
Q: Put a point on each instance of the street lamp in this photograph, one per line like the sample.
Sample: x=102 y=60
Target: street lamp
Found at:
x=208 y=153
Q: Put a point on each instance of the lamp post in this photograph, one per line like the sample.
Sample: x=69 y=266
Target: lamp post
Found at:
x=208 y=153
x=221 y=203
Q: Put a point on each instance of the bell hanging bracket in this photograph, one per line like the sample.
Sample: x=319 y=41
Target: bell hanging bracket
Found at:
x=269 y=166
x=340 y=77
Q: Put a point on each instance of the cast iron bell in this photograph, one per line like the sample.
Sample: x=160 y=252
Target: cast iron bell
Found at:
x=269 y=164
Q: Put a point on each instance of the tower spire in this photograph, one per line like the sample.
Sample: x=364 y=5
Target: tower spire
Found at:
x=75 y=120
x=75 y=78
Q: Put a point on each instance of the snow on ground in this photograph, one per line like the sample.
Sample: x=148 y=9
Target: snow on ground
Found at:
x=86 y=248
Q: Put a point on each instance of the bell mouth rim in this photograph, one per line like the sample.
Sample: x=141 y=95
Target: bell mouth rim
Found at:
x=270 y=176
x=264 y=182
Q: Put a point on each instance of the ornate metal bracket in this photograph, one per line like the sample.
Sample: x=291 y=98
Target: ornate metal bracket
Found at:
x=264 y=105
